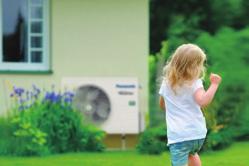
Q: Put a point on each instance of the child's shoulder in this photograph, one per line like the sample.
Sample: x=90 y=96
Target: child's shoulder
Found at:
x=197 y=84
x=164 y=83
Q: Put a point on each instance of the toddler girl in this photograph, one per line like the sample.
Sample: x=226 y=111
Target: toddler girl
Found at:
x=182 y=95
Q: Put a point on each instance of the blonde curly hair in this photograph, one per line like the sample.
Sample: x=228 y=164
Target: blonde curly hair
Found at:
x=186 y=64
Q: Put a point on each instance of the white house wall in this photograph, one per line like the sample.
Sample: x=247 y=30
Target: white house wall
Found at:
x=92 y=38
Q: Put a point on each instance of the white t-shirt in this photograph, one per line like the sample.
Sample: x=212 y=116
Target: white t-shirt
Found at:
x=184 y=118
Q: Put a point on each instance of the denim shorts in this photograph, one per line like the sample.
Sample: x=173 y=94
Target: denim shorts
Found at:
x=180 y=151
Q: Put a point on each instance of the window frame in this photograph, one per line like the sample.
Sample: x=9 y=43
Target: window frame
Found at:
x=30 y=66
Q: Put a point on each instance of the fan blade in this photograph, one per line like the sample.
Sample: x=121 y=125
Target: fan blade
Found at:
x=93 y=103
x=92 y=94
x=89 y=108
x=103 y=110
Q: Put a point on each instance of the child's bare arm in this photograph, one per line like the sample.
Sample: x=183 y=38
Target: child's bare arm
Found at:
x=161 y=103
x=202 y=97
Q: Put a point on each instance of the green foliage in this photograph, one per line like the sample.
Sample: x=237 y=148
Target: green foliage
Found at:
x=153 y=140
x=156 y=63
x=171 y=18
x=152 y=71
x=46 y=123
x=66 y=132
x=164 y=13
x=217 y=140
x=62 y=126
x=243 y=20
x=224 y=13
x=19 y=137
x=92 y=139
x=6 y=137
x=227 y=55
x=30 y=139
x=182 y=30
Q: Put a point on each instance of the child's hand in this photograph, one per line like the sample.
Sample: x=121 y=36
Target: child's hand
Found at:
x=215 y=78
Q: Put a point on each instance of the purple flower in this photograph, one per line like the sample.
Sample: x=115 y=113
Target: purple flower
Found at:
x=18 y=91
x=33 y=97
x=68 y=94
x=68 y=100
x=68 y=97
x=36 y=91
x=52 y=97
x=57 y=98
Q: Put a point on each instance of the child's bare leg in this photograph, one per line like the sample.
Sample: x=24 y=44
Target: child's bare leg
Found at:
x=194 y=160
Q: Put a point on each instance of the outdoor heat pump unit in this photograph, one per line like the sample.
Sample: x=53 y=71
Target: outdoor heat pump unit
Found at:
x=111 y=103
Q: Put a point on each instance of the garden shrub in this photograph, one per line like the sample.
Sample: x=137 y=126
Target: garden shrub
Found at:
x=46 y=122
x=156 y=63
x=63 y=127
x=217 y=140
x=67 y=133
x=6 y=137
x=92 y=139
x=153 y=140
x=30 y=139
x=20 y=138
x=226 y=54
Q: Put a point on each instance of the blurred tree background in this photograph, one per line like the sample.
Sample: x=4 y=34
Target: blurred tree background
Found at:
x=221 y=29
x=187 y=19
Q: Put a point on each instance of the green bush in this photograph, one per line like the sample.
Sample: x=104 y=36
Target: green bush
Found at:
x=30 y=139
x=217 y=140
x=92 y=139
x=6 y=137
x=156 y=64
x=43 y=123
x=21 y=138
x=153 y=140
x=62 y=126
x=227 y=53
x=65 y=131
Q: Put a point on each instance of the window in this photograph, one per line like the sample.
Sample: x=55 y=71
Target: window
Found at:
x=24 y=29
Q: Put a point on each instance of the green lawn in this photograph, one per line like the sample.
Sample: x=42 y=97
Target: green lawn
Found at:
x=236 y=155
